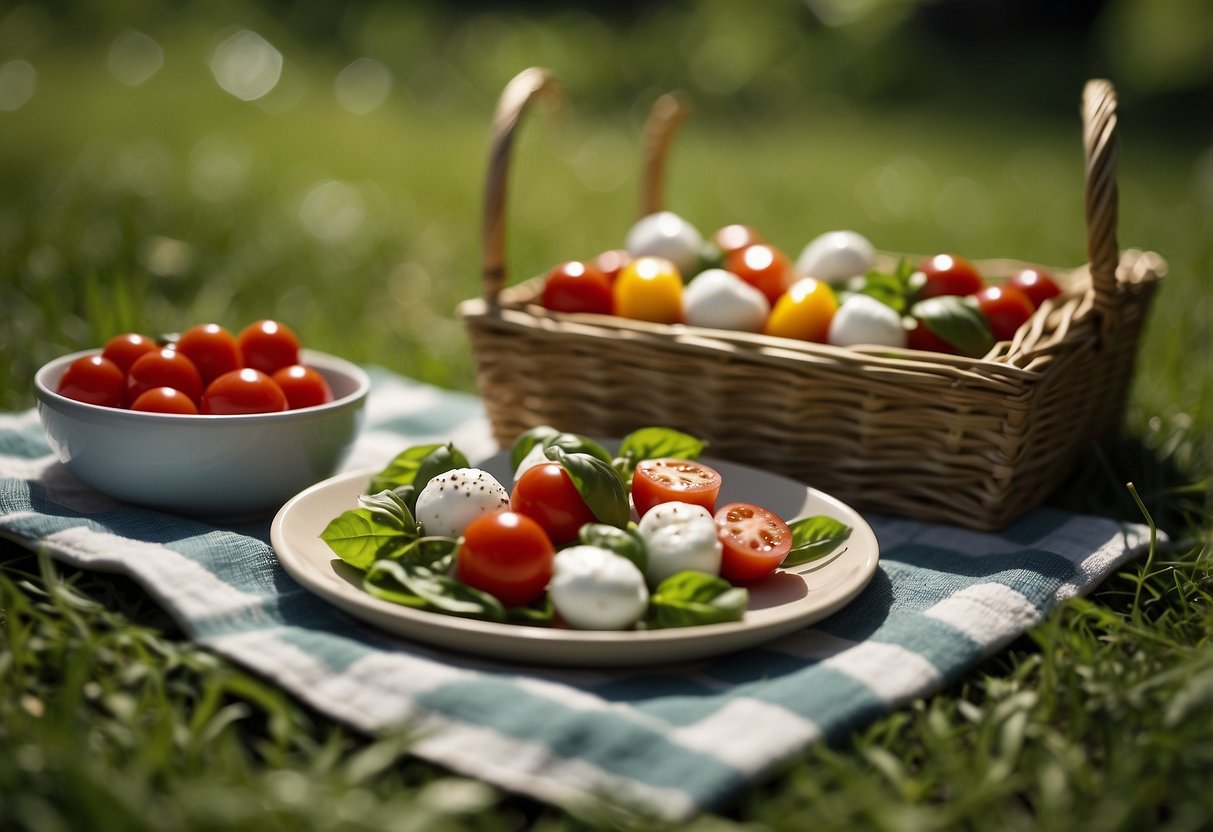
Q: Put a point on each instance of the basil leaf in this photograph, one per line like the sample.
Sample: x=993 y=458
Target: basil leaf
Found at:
x=886 y=288
x=438 y=461
x=597 y=483
x=433 y=552
x=540 y=613
x=527 y=440
x=363 y=535
x=814 y=538
x=957 y=322
x=572 y=443
x=403 y=468
x=624 y=542
x=655 y=443
x=688 y=599
x=413 y=585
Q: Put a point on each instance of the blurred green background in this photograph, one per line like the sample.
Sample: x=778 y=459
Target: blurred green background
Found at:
x=164 y=164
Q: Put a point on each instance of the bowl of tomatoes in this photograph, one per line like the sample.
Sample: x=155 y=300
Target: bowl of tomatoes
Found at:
x=207 y=422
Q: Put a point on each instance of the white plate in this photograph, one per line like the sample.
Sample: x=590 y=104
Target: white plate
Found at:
x=786 y=601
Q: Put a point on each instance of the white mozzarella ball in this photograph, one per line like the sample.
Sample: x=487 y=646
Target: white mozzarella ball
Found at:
x=665 y=234
x=721 y=300
x=450 y=501
x=679 y=537
x=836 y=255
x=862 y=319
x=593 y=588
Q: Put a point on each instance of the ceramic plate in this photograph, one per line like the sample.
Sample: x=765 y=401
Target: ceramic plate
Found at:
x=784 y=602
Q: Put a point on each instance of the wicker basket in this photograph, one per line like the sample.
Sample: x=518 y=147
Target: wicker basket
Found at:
x=970 y=441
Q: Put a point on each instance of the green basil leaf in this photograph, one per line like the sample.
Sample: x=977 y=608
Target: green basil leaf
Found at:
x=655 y=443
x=540 y=613
x=886 y=288
x=438 y=461
x=597 y=483
x=403 y=468
x=957 y=322
x=689 y=599
x=360 y=536
x=392 y=505
x=433 y=552
x=527 y=440
x=623 y=542
x=572 y=443
x=413 y=585
x=814 y=538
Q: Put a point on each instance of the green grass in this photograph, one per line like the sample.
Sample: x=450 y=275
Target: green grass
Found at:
x=156 y=206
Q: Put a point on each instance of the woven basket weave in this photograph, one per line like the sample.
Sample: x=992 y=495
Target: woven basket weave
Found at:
x=970 y=441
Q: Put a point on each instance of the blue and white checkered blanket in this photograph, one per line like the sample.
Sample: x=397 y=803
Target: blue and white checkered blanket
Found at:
x=673 y=739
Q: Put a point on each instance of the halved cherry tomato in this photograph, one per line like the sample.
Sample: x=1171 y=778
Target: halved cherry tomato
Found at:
x=164 y=368
x=1006 y=309
x=610 y=262
x=576 y=286
x=124 y=349
x=243 y=391
x=303 y=386
x=1037 y=284
x=94 y=379
x=649 y=289
x=755 y=540
x=804 y=311
x=213 y=350
x=165 y=400
x=546 y=494
x=948 y=274
x=268 y=346
x=763 y=266
x=658 y=481
x=506 y=554
x=732 y=237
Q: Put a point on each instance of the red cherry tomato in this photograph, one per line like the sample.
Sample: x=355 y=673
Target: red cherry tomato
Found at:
x=546 y=494
x=507 y=555
x=610 y=262
x=164 y=368
x=213 y=350
x=1006 y=309
x=762 y=266
x=755 y=541
x=732 y=237
x=578 y=287
x=920 y=337
x=1037 y=284
x=948 y=274
x=303 y=386
x=268 y=346
x=667 y=480
x=243 y=391
x=124 y=349
x=94 y=379
x=164 y=400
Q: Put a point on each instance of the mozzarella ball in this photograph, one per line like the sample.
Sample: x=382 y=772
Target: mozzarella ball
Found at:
x=862 y=319
x=595 y=589
x=450 y=501
x=665 y=234
x=721 y=300
x=679 y=537
x=836 y=255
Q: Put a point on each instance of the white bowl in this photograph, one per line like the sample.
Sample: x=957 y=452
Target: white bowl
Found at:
x=208 y=466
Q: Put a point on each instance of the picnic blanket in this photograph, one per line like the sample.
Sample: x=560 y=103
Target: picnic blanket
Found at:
x=671 y=740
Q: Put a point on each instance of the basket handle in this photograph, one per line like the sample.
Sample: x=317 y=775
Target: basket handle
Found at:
x=1102 y=151
x=668 y=113
x=518 y=94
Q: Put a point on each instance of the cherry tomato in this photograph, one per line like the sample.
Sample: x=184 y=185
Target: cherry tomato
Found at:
x=507 y=555
x=649 y=289
x=610 y=262
x=920 y=337
x=658 y=481
x=164 y=400
x=243 y=391
x=578 y=287
x=164 y=368
x=1037 y=284
x=948 y=274
x=804 y=311
x=268 y=346
x=1006 y=309
x=546 y=494
x=125 y=348
x=213 y=350
x=763 y=266
x=303 y=386
x=94 y=379
x=732 y=237
x=755 y=541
